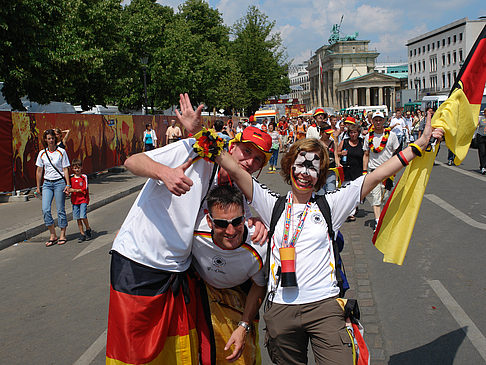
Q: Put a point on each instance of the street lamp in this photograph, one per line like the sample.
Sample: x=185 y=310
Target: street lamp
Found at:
x=144 y=61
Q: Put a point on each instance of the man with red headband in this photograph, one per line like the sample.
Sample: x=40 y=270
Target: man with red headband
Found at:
x=155 y=308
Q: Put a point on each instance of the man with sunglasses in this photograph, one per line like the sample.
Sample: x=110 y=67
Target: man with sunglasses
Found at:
x=230 y=265
x=154 y=300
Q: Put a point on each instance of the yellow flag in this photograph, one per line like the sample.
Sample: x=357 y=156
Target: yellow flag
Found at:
x=458 y=116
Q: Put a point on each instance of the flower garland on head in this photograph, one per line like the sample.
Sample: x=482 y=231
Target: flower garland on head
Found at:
x=208 y=144
x=384 y=139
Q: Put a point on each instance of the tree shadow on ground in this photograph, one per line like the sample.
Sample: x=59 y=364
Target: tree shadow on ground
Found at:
x=440 y=351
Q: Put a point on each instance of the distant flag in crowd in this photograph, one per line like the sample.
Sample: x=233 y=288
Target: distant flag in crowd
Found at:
x=320 y=70
x=458 y=116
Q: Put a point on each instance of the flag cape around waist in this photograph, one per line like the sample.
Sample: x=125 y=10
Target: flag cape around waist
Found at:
x=155 y=317
x=458 y=116
x=227 y=307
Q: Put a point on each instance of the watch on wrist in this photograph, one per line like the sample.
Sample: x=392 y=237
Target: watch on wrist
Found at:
x=245 y=325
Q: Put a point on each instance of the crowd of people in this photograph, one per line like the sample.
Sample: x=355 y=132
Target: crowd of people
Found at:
x=191 y=266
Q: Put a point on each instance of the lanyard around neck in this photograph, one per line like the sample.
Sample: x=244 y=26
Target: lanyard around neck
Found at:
x=298 y=230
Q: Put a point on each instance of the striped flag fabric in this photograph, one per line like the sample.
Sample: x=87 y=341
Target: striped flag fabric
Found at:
x=458 y=117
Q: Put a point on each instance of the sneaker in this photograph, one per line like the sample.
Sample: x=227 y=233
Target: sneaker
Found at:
x=449 y=163
x=483 y=171
x=88 y=234
x=82 y=238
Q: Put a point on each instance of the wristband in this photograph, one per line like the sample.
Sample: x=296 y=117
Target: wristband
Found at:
x=365 y=172
x=245 y=325
x=416 y=149
x=68 y=186
x=402 y=158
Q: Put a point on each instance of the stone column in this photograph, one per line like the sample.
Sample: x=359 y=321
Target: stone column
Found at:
x=380 y=96
x=355 y=97
x=368 y=99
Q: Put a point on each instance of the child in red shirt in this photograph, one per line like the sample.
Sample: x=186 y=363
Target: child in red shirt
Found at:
x=80 y=199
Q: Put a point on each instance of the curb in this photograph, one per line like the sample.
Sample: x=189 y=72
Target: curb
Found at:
x=37 y=228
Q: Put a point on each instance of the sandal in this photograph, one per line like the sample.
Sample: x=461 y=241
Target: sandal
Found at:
x=62 y=241
x=351 y=218
x=51 y=242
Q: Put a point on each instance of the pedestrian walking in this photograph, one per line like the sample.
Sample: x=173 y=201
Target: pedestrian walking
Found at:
x=80 y=199
x=52 y=166
x=149 y=138
x=275 y=147
x=173 y=133
x=481 y=140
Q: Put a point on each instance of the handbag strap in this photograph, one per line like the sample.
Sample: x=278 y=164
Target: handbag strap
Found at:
x=59 y=172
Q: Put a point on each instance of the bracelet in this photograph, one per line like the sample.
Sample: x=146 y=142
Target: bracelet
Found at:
x=68 y=186
x=365 y=172
x=416 y=149
x=402 y=158
x=245 y=325
x=208 y=144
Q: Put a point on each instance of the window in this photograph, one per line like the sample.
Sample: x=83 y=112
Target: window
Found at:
x=410 y=53
x=443 y=42
x=454 y=39
x=423 y=83
x=419 y=51
x=460 y=37
x=423 y=49
x=448 y=40
x=419 y=67
x=433 y=64
x=455 y=74
x=438 y=44
x=423 y=65
x=454 y=57
x=443 y=81
x=415 y=52
x=449 y=79
x=448 y=59
x=433 y=46
x=428 y=47
x=411 y=85
x=443 y=60
x=410 y=68
x=415 y=67
x=460 y=55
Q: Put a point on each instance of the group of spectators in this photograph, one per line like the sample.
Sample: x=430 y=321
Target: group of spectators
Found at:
x=191 y=267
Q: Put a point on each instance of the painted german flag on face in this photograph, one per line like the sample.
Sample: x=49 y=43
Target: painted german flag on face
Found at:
x=156 y=317
x=458 y=117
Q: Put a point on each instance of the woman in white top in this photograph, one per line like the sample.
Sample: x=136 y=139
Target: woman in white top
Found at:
x=52 y=165
x=309 y=310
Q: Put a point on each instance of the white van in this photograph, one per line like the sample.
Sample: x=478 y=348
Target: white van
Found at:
x=432 y=102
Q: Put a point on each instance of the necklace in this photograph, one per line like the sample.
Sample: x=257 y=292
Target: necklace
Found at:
x=287 y=223
x=384 y=139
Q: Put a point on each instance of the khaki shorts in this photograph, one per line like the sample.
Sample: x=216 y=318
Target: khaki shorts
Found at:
x=379 y=195
x=290 y=327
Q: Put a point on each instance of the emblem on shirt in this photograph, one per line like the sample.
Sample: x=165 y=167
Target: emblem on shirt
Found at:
x=316 y=218
x=218 y=261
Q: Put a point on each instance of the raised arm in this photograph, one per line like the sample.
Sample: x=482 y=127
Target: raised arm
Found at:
x=241 y=177
x=173 y=178
x=393 y=165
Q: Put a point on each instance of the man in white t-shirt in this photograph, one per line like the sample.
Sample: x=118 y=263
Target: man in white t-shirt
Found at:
x=379 y=146
x=151 y=254
x=229 y=263
x=398 y=126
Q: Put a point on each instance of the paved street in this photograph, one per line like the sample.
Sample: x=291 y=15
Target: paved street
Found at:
x=428 y=311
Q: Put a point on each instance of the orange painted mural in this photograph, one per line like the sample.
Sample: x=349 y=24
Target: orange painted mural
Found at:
x=100 y=141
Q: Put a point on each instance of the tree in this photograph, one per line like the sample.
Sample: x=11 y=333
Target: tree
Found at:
x=260 y=57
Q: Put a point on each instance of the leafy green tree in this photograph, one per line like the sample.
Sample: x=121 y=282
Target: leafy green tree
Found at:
x=28 y=43
x=260 y=57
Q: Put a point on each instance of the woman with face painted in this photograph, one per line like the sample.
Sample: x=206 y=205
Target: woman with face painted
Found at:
x=307 y=306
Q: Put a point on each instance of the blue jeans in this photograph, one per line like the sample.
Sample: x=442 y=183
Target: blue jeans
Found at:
x=274 y=158
x=50 y=190
x=79 y=211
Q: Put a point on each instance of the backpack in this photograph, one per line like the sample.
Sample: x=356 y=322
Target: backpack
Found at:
x=337 y=240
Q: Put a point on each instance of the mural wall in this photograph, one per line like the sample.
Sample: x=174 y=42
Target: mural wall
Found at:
x=100 y=141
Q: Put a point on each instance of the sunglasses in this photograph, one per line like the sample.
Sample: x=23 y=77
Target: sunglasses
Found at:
x=223 y=223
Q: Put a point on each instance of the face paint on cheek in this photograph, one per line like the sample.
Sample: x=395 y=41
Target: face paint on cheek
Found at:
x=294 y=183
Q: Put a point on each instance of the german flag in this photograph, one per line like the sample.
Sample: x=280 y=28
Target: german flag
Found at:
x=458 y=117
x=156 y=317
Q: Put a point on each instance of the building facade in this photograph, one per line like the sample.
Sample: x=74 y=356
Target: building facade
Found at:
x=299 y=81
x=435 y=58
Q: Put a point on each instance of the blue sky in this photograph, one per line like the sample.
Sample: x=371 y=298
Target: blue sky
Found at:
x=305 y=24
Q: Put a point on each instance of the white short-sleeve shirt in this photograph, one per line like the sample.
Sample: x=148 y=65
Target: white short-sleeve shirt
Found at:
x=378 y=158
x=159 y=227
x=315 y=266
x=59 y=159
x=223 y=268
